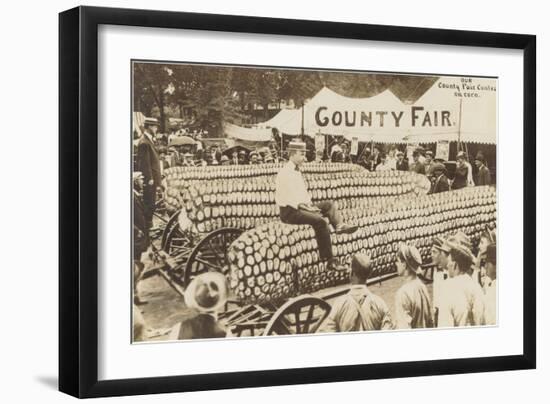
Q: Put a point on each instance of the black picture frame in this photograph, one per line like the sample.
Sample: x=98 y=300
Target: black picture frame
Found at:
x=78 y=196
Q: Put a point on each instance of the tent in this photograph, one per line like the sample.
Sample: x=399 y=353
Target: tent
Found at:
x=288 y=121
x=137 y=121
x=438 y=115
x=252 y=135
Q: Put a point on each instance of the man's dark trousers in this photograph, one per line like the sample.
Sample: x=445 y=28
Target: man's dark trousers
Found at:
x=316 y=220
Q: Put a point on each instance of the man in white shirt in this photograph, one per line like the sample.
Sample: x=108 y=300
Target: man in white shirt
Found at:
x=384 y=164
x=295 y=204
x=462 y=302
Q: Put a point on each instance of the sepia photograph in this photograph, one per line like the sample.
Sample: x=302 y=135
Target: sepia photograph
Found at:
x=273 y=201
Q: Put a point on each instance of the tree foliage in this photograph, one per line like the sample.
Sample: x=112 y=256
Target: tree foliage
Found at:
x=213 y=95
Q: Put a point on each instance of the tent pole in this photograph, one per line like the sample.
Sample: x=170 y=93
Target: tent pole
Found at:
x=459 y=146
x=302 y=120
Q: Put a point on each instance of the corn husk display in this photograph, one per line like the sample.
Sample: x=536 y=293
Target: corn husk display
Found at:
x=276 y=260
x=245 y=203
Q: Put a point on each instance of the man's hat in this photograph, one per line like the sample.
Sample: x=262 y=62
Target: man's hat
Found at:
x=429 y=153
x=207 y=292
x=400 y=153
x=461 y=250
x=296 y=146
x=187 y=155
x=480 y=157
x=136 y=175
x=461 y=154
x=438 y=168
x=441 y=244
x=224 y=158
x=151 y=122
x=242 y=152
x=361 y=265
x=410 y=255
x=462 y=239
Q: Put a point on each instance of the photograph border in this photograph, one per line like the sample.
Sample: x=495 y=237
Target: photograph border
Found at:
x=78 y=234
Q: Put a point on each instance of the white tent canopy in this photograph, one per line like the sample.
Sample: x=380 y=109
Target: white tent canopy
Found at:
x=383 y=118
x=472 y=103
x=247 y=134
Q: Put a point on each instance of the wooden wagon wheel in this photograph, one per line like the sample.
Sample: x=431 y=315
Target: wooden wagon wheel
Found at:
x=301 y=315
x=175 y=241
x=210 y=253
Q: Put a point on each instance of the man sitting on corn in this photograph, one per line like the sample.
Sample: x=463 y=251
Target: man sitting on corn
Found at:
x=295 y=204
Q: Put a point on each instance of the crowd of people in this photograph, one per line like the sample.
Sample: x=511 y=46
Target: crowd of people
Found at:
x=423 y=162
x=464 y=284
x=464 y=294
x=464 y=290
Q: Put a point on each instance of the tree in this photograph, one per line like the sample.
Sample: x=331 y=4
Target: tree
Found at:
x=153 y=82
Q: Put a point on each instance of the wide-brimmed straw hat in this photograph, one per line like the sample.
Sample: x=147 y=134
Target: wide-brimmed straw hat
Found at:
x=207 y=292
x=296 y=146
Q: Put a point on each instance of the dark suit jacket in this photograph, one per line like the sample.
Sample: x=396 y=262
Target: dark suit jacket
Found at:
x=483 y=176
x=403 y=166
x=148 y=161
x=441 y=184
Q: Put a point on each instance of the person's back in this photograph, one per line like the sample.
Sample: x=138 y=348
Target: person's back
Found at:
x=462 y=303
x=413 y=306
x=197 y=326
x=358 y=310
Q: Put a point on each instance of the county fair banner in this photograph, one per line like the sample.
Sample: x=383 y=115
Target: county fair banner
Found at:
x=453 y=108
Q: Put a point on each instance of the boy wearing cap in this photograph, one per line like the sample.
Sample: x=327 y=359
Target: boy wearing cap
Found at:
x=359 y=309
x=401 y=164
x=462 y=300
x=413 y=306
x=295 y=204
x=440 y=181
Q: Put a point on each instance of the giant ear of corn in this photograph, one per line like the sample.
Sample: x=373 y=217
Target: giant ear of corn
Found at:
x=276 y=260
x=245 y=203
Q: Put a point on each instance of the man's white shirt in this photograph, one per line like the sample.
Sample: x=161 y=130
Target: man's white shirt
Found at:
x=290 y=187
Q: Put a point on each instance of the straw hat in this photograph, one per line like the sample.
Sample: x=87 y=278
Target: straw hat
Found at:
x=207 y=292
x=410 y=255
x=296 y=146
x=151 y=122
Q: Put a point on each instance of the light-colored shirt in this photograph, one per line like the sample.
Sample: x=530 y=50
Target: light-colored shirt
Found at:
x=470 y=178
x=345 y=316
x=462 y=303
x=290 y=187
x=391 y=162
x=413 y=307
x=491 y=303
x=438 y=284
x=387 y=166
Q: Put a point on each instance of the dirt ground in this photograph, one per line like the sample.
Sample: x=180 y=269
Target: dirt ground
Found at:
x=165 y=307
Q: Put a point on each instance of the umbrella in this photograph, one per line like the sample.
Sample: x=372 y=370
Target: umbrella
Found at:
x=181 y=141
